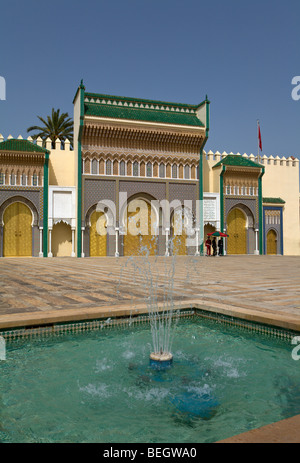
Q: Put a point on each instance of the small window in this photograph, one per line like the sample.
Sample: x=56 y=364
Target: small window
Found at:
x=122 y=168
x=12 y=179
x=228 y=190
x=174 y=171
x=2 y=179
x=162 y=171
x=251 y=191
x=35 y=180
x=186 y=172
x=149 y=169
x=108 y=167
x=23 y=180
x=94 y=167
x=135 y=169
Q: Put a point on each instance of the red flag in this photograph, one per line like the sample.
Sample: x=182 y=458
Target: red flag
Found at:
x=259 y=138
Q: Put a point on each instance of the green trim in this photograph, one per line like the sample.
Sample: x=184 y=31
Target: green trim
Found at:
x=222 y=198
x=142 y=101
x=46 y=205
x=207 y=116
x=25 y=146
x=142 y=114
x=201 y=225
x=273 y=201
x=237 y=160
x=260 y=211
x=79 y=167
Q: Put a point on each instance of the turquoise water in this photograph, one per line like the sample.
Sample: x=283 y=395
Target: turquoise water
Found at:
x=98 y=387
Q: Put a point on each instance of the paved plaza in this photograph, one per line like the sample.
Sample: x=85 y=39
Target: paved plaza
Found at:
x=36 y=291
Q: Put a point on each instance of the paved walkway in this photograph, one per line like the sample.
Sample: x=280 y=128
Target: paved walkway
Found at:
x=267 y=285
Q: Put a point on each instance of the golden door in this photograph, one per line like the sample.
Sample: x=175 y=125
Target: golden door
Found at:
x=178 y=239
x=17 y=239
x=271 y=242
x=138 y=240
x=236 y=229
x=98 y=236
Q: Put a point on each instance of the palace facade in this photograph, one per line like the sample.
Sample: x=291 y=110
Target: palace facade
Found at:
x=139 y=180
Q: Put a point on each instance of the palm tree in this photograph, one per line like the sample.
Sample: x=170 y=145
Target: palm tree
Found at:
x=56 y=126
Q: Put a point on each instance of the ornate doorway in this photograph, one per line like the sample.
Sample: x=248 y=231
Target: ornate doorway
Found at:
x=140 y=223
x=236 y=229
x=98 y=235
x=271 y=242
x=17 y=239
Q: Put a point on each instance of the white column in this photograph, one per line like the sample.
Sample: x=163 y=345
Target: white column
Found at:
x=197 y=253
x=41 y=242
x=225 y=244
x=73 y=243
x=117 y=242
x=50 y=244
x=256 y=252
x=82 y=236
x=167 y=242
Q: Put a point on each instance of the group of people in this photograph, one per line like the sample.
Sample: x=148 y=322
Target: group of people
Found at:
x=212 y=245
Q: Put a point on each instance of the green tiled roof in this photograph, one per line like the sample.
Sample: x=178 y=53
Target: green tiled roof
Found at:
x=237 y=160
x=16 y=144
x=117 y=107
x=273 y=200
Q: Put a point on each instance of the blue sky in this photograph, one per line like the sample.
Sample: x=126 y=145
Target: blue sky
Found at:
x=243 y=55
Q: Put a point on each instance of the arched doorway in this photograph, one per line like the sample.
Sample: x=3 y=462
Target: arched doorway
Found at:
x=98 y=235
x=61 y=240
x=271 y=242
x=236 y=229
x=17 y=234
x=140 y=223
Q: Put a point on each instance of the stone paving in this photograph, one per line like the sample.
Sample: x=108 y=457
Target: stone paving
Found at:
x=263 y=284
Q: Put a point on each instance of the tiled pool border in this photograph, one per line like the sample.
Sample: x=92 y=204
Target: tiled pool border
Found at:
x=62 y=328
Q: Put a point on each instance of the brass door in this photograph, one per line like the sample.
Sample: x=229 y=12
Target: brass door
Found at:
x=140 y=243
x=178 y=234
x=236 y=229
x=98 y=236
x=17 y=239
x=272 y=242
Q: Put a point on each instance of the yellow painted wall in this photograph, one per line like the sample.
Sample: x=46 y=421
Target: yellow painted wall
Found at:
x=61 y=240
x=62 y=166
x=283 y=181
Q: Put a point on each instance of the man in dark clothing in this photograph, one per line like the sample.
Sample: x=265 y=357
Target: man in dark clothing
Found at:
x=220 y=246
x=214 y=246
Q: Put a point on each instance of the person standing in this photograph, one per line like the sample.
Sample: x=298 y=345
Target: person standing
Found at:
x=220 y=246
x=208 y=246
x=214 y=246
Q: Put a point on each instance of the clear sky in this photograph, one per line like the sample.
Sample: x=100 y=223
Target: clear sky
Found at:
x=243 y=55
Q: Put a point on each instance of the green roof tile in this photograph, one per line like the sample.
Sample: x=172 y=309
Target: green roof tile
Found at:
x=273 y=200
x=138 y=114
x=16 y=144
x=237 y=160
x=118 y=107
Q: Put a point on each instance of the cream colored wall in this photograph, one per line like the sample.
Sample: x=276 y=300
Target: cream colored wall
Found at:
x=61 y=240
x=62 y=165
x=211 y=177
x=282 y=181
